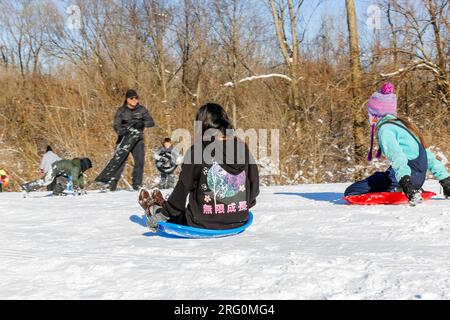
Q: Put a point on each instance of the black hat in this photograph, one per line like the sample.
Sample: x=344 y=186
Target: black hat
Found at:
x=131 y=93
x=85 y=164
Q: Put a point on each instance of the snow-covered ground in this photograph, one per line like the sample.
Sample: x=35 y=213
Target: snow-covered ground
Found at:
x=305 y=243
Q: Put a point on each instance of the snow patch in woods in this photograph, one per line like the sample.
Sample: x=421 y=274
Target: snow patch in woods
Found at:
x=439 y=154
x=305 y=243
x=252 y=78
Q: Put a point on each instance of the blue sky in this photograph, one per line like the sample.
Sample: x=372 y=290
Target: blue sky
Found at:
x=315 y=10
x=312 y=11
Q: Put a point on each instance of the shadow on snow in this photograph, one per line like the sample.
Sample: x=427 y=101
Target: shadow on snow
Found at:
x=142 y=221
x=331 y=197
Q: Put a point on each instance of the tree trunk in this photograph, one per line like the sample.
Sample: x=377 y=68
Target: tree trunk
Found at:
x=235 y=43
x=294 y=59
x=359 y=121
x=394 y=41
x=443 y=79
x=290 y=52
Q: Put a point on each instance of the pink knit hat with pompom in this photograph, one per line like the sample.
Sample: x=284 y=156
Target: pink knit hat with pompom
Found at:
x=381 y=103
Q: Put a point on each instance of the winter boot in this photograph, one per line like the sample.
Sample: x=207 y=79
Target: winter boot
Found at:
x=148 y=198
x=152 y=202
x=414 y=196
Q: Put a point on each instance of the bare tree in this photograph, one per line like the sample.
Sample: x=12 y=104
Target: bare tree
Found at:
x=158 y=18
x=419 y=51
x=285 y=14
x=355 y=64
x=196 y=50
x=435 y=12
x=4 y=56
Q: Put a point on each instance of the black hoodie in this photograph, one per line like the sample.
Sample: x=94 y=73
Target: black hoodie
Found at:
x=221 y=188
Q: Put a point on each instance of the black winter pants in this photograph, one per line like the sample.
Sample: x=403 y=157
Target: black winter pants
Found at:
x=138 y=153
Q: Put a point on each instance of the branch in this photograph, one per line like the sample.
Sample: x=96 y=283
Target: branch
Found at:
x=417 y=65
x=265 y=76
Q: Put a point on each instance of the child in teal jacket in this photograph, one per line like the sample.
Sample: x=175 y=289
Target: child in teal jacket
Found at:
x=405 y=148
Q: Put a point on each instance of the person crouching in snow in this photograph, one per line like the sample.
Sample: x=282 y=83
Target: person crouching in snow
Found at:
x=63 y=171
x=167 y=160
x=404 y=146
x=4 y=180
x=218 y=174
x=48 y=159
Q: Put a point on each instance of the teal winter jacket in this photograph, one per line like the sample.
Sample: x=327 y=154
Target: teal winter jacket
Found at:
x=399 y=146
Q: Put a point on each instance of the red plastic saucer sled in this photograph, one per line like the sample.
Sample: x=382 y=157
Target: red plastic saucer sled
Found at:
x=384 y=198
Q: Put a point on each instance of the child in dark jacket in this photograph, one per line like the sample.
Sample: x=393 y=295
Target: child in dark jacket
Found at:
x=406 y=149
x=218 y=174
x=167 y=160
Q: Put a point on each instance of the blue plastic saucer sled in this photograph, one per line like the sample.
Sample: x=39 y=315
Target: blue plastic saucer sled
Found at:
x=176 y=230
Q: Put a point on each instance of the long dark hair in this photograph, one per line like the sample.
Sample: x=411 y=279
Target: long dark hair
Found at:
x=412 y=127
x=213 y=116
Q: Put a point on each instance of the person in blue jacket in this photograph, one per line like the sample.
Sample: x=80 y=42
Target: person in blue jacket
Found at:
x=406 y=149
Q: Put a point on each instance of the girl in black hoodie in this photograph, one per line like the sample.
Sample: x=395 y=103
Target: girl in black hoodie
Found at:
x=219 y=175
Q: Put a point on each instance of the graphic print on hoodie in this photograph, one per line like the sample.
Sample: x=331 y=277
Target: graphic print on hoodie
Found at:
x=224 y=192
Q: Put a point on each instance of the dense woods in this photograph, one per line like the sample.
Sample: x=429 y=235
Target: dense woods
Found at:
x=273 y=64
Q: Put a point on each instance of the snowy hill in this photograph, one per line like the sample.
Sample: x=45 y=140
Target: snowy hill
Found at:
x=305 y=243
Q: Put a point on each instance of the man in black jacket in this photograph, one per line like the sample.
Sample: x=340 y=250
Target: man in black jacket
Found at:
x=134 y=115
